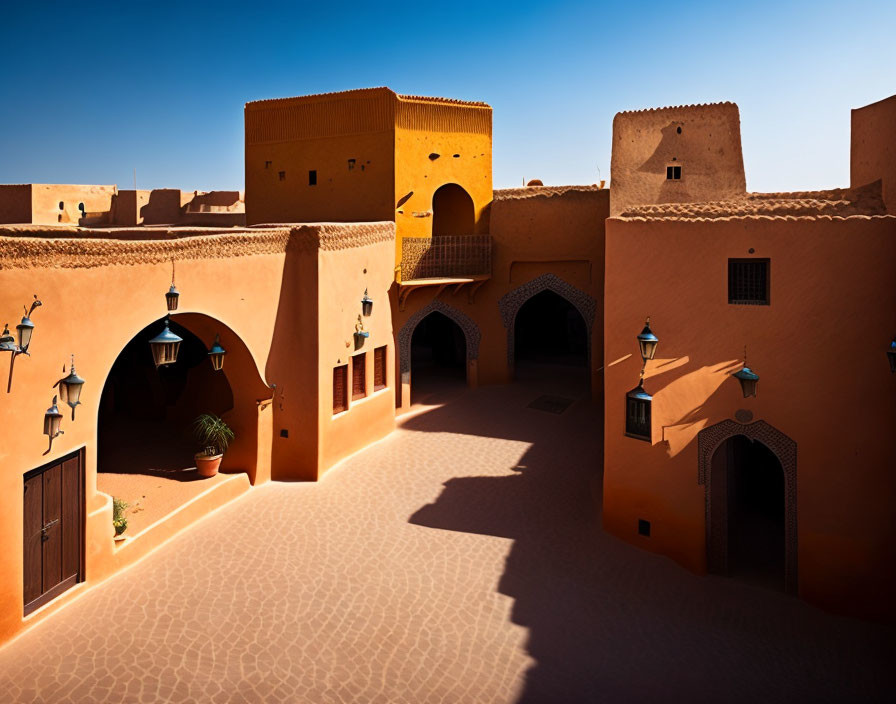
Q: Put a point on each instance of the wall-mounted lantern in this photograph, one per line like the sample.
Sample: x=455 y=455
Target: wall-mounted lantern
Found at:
x=24 y=331
x=173 y=294
x=52 y=421
x=749 y=380
x=70 y=387
x=366 y=304
x=165 y=346
x=360 y=333
x=647 y=341
x=216 y=354
x=891 y=355
x=637 y=413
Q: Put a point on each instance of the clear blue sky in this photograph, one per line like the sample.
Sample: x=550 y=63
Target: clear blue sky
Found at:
x=88 y=91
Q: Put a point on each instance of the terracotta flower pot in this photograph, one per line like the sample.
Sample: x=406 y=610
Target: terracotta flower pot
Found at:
x=206 y=465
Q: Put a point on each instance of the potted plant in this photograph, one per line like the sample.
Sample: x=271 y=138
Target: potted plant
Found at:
x=214 y=435
x=119 y=520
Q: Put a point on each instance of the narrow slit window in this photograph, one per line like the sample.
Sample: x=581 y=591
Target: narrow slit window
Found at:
x=267 y=164
x=312 y=178
x=379 y=368
x=673 y=173
x=340 y=389
x=359 y=377
x=282 y=175
x=749 y=281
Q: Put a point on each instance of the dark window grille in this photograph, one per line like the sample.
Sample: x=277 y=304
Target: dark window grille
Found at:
x=637 y=418
x=748 y=281
x=359 y=379
x=673 y=173
x=379 y=368
x=340 y=387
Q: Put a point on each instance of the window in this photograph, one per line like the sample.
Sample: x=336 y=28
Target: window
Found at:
x=748 y=281
x=312 y=178
x=673 y=173
x=359 y=378
x=379 y=368
x=61 y=205
x=644 y=526
x=637 y=414
x=267 y=164
x=351 y=164
x=340 y=387
x=281 y=175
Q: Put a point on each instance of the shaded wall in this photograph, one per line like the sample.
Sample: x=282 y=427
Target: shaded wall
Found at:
x=824 y=382
x=873 y=148
x=15 y=203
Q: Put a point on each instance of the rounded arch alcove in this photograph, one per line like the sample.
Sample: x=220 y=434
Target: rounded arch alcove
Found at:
x=453 y=212
x=145 y=417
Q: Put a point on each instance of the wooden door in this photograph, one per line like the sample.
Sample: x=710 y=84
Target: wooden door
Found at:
x=53 y=530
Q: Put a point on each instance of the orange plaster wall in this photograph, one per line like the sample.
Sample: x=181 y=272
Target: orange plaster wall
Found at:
x=344 y=275
x=446 y=129
x=45 y=199
x=873 y=148
x=819 y=350
x=708 y=149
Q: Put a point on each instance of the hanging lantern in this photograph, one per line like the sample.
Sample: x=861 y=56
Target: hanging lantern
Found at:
x=52 y=421
x=7 y=341
x=171 y=297
x=891 y=355
x=165 y=346
x=748 y=379
x=366 y=304
x=216 y=354
x=25 y=329
x=647 y=341
x=70 y=388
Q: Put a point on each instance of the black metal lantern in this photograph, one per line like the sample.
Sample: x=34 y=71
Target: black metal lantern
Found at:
x=366 y=304
x=70 y=388
x=647 y=341
x=891 y=355
x=171 y=297
x=24 y=331
x=216 y=354
x=7 y=341
x=52 y=421
x=748 y=379
x=165 y=347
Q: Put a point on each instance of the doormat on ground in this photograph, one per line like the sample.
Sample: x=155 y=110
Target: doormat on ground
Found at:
x=551 y=404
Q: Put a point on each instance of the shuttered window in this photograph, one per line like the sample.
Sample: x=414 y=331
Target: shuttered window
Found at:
x=359 y=380
x=340 y=389
x=379 y=368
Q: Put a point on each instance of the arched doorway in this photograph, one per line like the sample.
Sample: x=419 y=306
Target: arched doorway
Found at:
x=145 y=444
x=748 y=506
x=550 y=339
x=452 y=211
x=438 y=358
x=749 y=472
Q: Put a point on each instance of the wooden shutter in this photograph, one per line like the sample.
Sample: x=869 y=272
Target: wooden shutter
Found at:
x=340 y=399
x=359 y=380
x=379 y=368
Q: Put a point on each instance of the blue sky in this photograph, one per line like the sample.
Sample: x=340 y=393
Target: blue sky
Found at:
x=90 y=91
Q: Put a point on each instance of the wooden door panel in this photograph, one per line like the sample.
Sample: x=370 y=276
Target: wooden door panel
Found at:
x=71 y=518
x=52 y=529
x=33 y=522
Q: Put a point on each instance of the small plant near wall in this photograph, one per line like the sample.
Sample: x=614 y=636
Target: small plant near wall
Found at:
x=119 y=520
x=213 y=436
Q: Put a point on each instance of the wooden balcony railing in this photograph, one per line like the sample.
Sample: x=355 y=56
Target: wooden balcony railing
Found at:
x=446 y=256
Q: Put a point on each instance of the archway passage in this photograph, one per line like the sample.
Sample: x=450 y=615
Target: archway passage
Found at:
x=145 y=439
x=749 y=511
x=438 y=359
x=551 y=341
x=452 y=211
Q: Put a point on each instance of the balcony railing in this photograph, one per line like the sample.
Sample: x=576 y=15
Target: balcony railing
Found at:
x=446 y=256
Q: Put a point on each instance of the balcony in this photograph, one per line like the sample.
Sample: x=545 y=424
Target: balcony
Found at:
x=444 y=260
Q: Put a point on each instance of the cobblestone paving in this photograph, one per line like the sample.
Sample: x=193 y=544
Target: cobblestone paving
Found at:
x=459 y=560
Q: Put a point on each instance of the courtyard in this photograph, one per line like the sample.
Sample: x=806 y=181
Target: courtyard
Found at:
x=458 y=560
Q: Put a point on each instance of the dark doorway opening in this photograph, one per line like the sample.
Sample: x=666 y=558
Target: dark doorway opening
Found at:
x=550 y=340
x=146 y=413
x=452 y=211
x=438 y=359
x=748 y=485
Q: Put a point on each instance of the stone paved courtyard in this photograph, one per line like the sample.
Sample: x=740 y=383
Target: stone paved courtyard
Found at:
x=459 y=560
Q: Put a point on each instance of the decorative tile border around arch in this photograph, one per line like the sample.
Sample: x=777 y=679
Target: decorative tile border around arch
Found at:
x=512 y=301
x=708 y=441
x=464 y=322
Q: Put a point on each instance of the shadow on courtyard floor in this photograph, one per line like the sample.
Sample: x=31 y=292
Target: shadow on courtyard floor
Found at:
x=609 y=622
